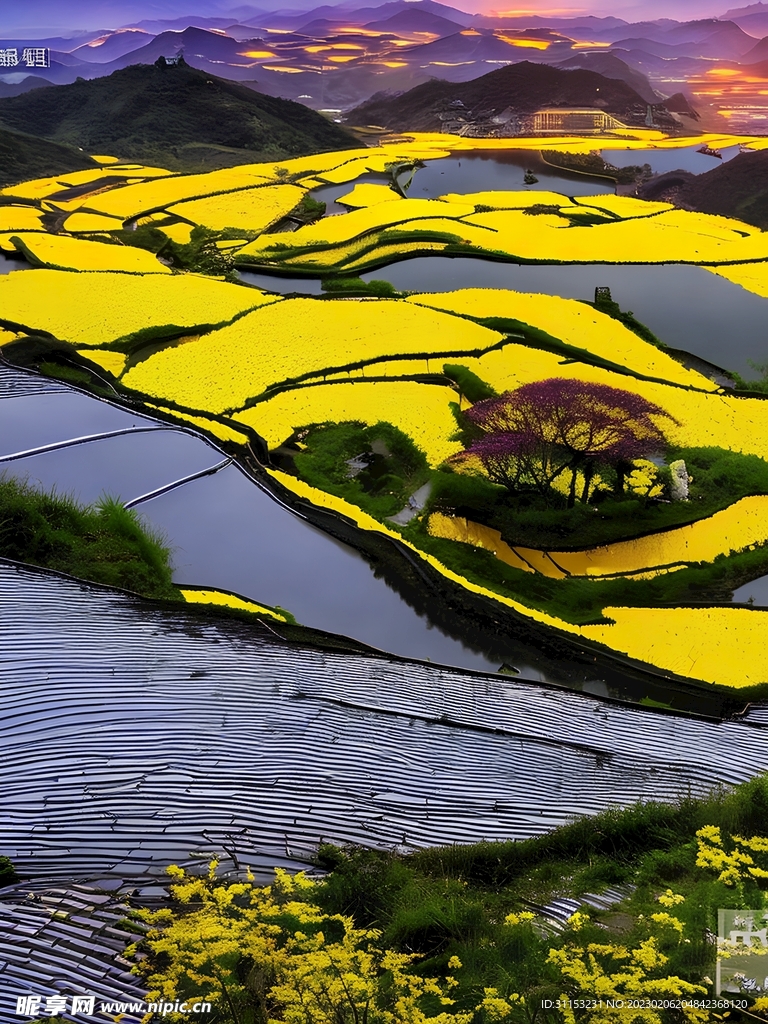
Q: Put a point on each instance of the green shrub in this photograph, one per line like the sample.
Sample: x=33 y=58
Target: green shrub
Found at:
x=356 y=286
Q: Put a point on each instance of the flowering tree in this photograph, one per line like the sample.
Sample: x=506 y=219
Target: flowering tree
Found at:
x=527 y=438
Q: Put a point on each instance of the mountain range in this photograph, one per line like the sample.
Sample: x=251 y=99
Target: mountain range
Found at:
x=523 y=87
x=338 y=56
x=175 y=116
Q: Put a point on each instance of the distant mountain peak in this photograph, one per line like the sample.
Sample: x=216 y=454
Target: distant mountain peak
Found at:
x=742 y=12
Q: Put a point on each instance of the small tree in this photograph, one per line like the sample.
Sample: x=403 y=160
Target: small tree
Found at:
x=527 y=438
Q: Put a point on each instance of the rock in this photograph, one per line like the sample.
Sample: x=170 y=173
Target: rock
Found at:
x=680 y=480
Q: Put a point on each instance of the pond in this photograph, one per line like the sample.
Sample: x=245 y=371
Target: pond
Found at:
x=500 y=171
x=687 y=158
x=686 y=307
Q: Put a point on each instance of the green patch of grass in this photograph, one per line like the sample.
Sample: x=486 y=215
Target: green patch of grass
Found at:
x=105 y=544
x=452 y=901
x=395 y=466
x=199 y=255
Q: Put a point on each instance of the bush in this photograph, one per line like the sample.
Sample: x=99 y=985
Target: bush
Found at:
x=7 y=872
x=356 y=286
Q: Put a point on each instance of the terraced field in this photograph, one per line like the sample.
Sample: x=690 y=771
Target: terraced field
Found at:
x=193 y=735
x=137 y=282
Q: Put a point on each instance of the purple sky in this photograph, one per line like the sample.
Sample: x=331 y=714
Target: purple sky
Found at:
x=37 y=18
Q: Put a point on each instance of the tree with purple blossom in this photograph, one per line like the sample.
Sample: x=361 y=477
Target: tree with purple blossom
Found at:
x=527 y=438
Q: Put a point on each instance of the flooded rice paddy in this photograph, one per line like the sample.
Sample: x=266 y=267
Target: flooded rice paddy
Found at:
x=193 y=734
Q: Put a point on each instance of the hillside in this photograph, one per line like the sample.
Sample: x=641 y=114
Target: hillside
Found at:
x=23 y=157
x=175 y=115
x=738 y=188
x=525 y=87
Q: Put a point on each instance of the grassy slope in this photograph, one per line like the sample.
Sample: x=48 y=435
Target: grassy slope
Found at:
x=105 y=544
x=452 y=900
x=738 y=188
x=23 y=157
x=150 y=113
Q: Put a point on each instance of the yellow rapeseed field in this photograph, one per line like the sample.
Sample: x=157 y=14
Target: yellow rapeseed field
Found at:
x=91 y=309
x=132 y=200
x=573 y=322
x=668 y=236
x=20 y=218
x=179 y=233
x=90 y=222
x=394 y=250
x=742 y=525
x=478 y=536
x=39 y=188
x=369 y=194
x=295 y=337
x=204 y=423
x=623 y=206
x=223 y=597
x=113 y=362
x=728 y=646
x=421 y=411
x=255 y=209
x=338 y=230
x=67 y=253
x=676 y=236
x=377 y=160
x=751 y=276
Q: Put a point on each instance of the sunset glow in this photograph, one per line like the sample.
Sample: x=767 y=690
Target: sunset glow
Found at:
x=528 y=44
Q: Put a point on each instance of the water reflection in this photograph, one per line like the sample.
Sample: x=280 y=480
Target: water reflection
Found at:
x=499 y=171
x=283 y=285
x=228 y=533
x=124 y=467
x=34 y=421
x=687 y=307
x=687 y=158
x=9 y=263
x=755 y=593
